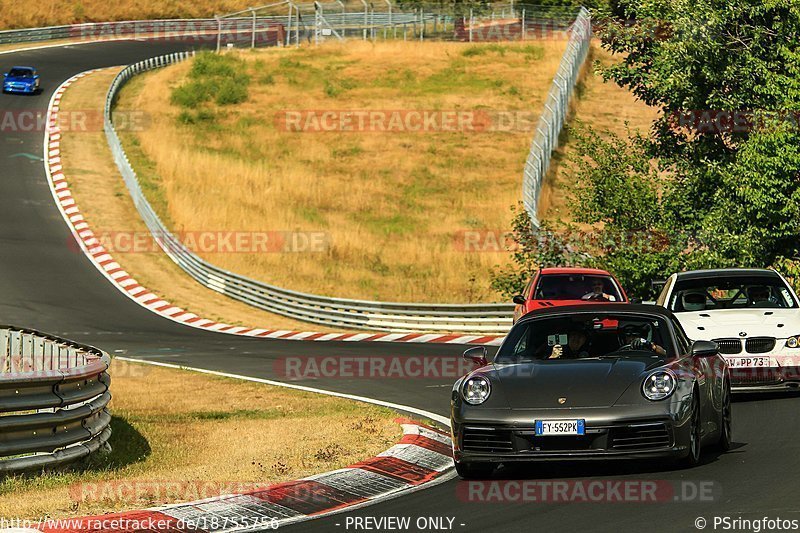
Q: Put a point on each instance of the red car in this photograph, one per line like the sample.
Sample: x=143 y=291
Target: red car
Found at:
x=552 y=287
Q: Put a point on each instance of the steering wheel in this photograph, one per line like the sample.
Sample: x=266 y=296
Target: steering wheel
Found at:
x=598 y=298
x=648 y=346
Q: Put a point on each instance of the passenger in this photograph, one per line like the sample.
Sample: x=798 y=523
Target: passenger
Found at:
x=577 y=346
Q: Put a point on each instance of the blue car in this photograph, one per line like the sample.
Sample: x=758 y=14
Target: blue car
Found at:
x=23 y=80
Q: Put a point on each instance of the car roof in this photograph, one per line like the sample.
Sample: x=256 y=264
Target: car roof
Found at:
x=20 y=67
x=573 y=270
x=606 y=307
x=720 y=272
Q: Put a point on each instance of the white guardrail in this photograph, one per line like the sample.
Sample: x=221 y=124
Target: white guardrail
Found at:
x=360 y=314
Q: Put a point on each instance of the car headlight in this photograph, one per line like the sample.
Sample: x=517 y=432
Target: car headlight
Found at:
x=793 y=342
x=659 y=385
x=476 y=390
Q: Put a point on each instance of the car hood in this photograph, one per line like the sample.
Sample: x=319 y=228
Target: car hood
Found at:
x=14 y=79
x=584 y=383
x=707 y=325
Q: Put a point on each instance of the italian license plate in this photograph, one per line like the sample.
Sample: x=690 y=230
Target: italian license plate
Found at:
x=749 y=362
x=560 y=427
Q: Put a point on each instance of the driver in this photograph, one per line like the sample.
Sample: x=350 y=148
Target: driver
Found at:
x=759 y=296
x=576 y=348
x=597 y=293
x=637 y=339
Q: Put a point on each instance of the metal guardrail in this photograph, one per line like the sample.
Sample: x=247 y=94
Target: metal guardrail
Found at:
x=361 y=314
x=552 y=119
x=53 y=398
x=338 y=312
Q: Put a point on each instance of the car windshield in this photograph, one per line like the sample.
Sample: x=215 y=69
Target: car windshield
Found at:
x=576 y=287
x=730 y=292
x=20 y=73
x=587 y=336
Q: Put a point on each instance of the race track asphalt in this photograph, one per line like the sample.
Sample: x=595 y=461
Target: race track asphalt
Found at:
x=46 y=284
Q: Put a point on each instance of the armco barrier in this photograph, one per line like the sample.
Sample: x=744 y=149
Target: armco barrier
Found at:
x=53 y=398
x=361 y=314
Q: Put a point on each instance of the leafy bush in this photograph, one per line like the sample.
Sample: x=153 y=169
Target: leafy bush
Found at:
x=231 y=91
x=191 y=94
x=218 y=78
x=208 y=65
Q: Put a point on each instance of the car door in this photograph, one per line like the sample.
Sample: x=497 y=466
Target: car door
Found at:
x=708 y=381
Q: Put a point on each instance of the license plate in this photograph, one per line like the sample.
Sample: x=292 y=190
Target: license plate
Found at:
x=560 y=427
x=749 y=362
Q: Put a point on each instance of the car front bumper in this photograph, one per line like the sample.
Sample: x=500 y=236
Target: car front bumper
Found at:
x=782 y=373
x=25 y=89
x=624 y=432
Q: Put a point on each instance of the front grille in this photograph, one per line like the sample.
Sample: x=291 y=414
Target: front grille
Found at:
x=759 y=344
x=486 y=441
x=729 y=346
x=640 y=437
x=565 y=443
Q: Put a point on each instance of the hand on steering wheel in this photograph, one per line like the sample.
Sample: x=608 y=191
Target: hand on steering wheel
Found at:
x=641 y=344
x=638 y=344
x=598 y=297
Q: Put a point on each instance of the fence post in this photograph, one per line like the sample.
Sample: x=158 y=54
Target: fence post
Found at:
x=289 y=26
x=366 y=19
x=253 y=40
x=219 y=31
x=471 y=22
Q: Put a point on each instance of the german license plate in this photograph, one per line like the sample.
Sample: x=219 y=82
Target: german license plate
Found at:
x=560 y=427
x=749 y=362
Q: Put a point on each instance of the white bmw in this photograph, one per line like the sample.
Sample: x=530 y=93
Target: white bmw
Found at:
x=752 y=314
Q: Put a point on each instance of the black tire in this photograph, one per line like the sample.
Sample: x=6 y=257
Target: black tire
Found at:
x=474 y=470
x=695 y=428
x=726 y=434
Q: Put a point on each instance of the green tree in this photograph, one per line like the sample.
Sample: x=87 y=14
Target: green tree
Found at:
x=697 y=192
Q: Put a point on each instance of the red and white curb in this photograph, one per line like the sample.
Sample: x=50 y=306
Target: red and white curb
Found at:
x=422 y=456
x=121 y=279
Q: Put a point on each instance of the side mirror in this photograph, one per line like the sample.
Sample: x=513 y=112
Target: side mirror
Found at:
x=477 y=354
x=518 y=299
x=36 y=76
x=704 y=349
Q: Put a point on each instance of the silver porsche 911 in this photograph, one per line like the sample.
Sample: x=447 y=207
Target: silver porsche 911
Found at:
x=591 y=382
